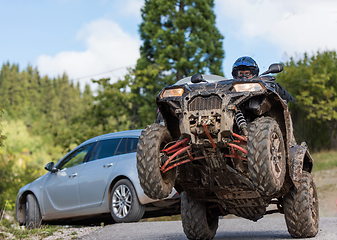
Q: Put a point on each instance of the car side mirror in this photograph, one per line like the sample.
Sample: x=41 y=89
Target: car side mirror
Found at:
x=50 y=167
x=274 y=68
x=197 y=78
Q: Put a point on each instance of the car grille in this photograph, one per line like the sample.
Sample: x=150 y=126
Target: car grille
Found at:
x=205 y=103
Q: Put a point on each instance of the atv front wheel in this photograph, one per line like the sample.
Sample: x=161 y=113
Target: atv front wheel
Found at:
x=266 y=155
x=301 y=208
x=197 y=223
x=156 y=185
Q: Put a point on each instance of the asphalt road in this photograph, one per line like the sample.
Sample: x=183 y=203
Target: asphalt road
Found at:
x=238 y=228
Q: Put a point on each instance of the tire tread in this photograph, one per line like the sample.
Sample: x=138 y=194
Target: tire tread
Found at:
x=148 y=162
x=194 y=219
x=297 y=212
x=259 y=155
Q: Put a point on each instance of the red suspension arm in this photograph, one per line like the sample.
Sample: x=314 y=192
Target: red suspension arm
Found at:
x=176 y=145
x=242 y=138
x=173 y=156
x=237 y=147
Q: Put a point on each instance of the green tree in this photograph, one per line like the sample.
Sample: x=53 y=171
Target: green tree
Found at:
x=11 y=89
x=5 y=172
x=313 y=83
x=181 y=37
x=6 y=177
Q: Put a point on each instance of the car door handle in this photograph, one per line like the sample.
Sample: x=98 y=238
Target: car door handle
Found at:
x=108 y=165
x=73 y=175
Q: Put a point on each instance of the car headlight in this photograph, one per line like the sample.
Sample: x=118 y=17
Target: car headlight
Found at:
x=173 y=92
x=248 y=87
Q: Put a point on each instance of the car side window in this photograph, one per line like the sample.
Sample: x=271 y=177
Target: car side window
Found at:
x=127 y=145
x=131 y=145
x=122 y=147
x=75 y=158
x=105 y=148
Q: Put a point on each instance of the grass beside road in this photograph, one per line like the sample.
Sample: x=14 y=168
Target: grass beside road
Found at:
x=9 y=229
x=324 y=160
x=164 y=218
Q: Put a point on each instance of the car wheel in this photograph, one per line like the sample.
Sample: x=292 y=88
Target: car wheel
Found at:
x=156 y=185
x=301 y=208
x=33 y=214
x=197 y=223
x=266 y=155
x=124 y=203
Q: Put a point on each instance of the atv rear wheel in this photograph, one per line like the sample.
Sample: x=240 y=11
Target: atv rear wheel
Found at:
x=301 y=208
x=266 y=155
x=156 y=185
x=197 y=223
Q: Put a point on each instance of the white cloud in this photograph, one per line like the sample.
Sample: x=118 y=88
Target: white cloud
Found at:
x=133 y=7
x=108 y=48
x=292 y=26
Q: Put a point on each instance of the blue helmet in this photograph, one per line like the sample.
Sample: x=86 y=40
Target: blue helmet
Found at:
x=245 y=63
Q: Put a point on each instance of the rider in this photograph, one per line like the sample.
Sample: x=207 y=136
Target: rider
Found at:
x=245 y=67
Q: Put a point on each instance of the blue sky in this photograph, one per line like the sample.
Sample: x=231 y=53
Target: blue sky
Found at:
x=85 y=38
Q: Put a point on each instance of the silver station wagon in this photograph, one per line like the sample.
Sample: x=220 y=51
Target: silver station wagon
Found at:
x=97 y=177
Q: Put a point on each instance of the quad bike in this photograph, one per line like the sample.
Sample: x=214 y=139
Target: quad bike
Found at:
x=228 y=147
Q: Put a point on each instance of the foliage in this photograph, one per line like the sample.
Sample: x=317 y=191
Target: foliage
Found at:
x=181 y=37
x=41 y=102
x=22 y=159
x=313 y=83
x=112 y=100
x=5 y=179
x=77 y=132
x=5 y=173
x=131 y=101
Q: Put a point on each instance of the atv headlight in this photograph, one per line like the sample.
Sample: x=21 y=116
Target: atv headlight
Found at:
x=248 y=87
x=173 y=92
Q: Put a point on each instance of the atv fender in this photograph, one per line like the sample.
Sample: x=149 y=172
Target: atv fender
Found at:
x=299 y=159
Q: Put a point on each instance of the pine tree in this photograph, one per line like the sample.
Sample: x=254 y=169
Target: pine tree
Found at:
x=31 y=94
x=181 y=37
x=12 y=86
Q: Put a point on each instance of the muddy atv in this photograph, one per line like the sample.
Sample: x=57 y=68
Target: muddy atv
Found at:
x=227 y=146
